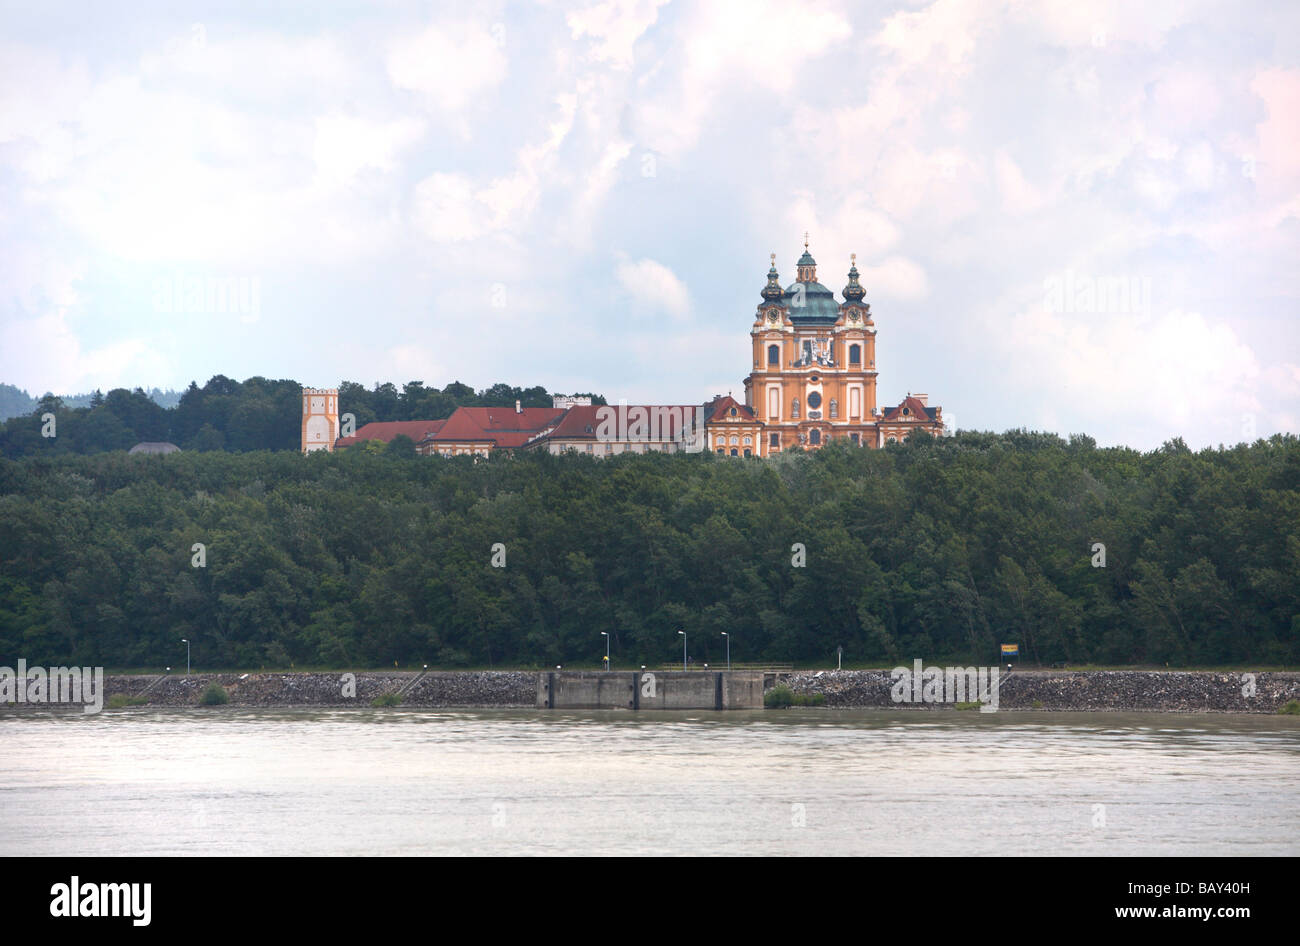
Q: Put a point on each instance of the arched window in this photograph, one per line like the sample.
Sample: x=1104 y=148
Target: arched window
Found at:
x=735 y=440
x=794 y=408
x=814 y=436
x=748 y=453
x=835 y=409
x=748 y=441
x=774 y=354
x=734 y=452
x=855 y=354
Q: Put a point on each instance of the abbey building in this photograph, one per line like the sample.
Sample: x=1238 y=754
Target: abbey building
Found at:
x=813 y=380
x=814 y=369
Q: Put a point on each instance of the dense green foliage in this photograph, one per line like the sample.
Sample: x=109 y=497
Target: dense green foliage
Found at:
x=214 y=695
x=778 y=697
x=782 y=697
x=933 y=549
x=258 y=414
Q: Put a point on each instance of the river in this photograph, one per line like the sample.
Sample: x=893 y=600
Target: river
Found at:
x=241 y=781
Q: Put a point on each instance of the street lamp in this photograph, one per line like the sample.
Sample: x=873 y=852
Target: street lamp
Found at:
x=186 y=642
x=728 y=637
x=605 y=634
x=683 y=633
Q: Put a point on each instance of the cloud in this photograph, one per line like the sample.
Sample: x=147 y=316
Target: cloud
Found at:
x=449 y=64
x=614 y=27
x=345 y=145
x=896 y=278
x=654 y=286
x=451 y=207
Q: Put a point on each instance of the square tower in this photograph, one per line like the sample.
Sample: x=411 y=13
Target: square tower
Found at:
x=320 y=419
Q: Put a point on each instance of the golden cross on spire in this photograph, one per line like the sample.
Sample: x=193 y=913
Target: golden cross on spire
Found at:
x=774 y=260
x=853 y=259
x=805 y=239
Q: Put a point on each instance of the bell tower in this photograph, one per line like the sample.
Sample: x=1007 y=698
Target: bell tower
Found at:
x=320 y=419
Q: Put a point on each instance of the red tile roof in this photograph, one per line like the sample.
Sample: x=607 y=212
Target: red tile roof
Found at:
x=502 y=426
x=583 y=422
x=720 y=410
x=417 y=430
x=916 y=411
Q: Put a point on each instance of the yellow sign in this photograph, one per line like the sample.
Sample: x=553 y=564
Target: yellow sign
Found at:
x=1010 y=650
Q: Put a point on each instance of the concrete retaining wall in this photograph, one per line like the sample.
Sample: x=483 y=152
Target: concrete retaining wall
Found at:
x=649 y=690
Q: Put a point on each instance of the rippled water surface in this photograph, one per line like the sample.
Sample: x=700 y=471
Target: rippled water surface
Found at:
x=256 y=781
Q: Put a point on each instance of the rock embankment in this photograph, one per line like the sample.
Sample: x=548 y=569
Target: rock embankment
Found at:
x=1166 y=691
x=439 y=688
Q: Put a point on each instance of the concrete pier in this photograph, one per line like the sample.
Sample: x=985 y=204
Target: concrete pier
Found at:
x=643 y=690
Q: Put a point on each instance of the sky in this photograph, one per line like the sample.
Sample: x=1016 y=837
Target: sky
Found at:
x=1074 y=217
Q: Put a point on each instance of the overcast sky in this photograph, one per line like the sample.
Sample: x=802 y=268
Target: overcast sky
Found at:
x=1071 y=217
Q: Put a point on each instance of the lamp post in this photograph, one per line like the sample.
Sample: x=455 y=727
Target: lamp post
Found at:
x=728 y=637
x=605 y=634
x=186 y=642
x=683 y=633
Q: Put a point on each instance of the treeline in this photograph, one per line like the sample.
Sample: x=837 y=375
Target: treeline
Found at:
x=258 y=414
x=15 y=402
x=934 y=549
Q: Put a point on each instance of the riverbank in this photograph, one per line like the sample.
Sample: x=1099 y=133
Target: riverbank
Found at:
x=469 y=688
x=1160 y=691
x=1170 y=691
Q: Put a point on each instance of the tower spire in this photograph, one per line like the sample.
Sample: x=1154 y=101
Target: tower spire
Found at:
x=806 y=269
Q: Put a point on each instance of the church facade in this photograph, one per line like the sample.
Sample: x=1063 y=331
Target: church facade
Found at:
x=813 y=380
x=814 y=368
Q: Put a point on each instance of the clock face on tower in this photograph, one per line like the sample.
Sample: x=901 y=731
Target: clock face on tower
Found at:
x=771 y=316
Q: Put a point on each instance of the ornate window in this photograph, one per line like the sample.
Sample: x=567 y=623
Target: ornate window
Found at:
x=734 y=452
x=735 y=440
x=774 y=354
x=774 y=440
x=855 y=354
x=748 y=441
x=814 y=436
x=814 y=400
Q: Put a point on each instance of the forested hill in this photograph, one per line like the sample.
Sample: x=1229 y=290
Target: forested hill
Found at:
x=257 y=414
x=934 y=549
x=15 y=402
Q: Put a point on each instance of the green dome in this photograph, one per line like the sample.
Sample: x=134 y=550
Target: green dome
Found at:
x=819 y=303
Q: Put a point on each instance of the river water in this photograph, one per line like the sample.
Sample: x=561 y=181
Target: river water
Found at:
x=811 y=782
